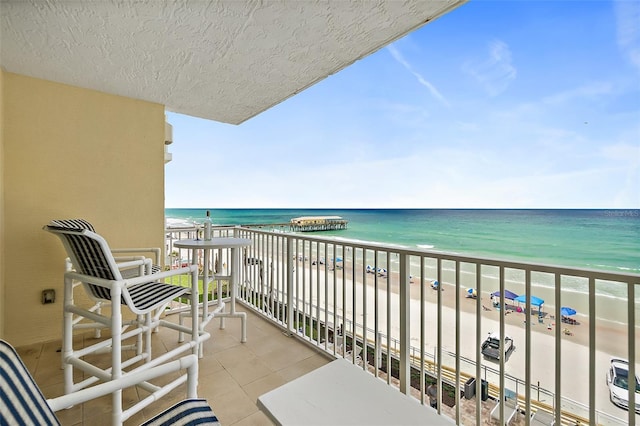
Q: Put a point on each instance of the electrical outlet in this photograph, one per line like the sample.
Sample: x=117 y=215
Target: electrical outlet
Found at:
x=48 y=296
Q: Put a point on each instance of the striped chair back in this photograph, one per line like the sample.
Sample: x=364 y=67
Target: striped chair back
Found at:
x=88 y=251
x=84 y=224
x=22 y=403
x=90 y=255
x=79 y=224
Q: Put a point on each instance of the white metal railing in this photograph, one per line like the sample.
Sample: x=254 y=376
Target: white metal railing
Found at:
x=323 y=291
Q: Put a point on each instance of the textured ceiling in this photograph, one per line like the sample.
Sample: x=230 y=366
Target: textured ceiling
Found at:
x=225 y=60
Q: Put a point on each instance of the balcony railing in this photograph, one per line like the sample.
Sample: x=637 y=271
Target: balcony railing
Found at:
x=375 y=305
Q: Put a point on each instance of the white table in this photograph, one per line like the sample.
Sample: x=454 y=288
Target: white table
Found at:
x=340 y=393
x=219 y=243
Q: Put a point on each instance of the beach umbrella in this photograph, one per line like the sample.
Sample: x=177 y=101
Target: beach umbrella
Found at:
x=507 y=294
x=338 y=259
x=535 y=301
x=472 y=292
x=567 y=311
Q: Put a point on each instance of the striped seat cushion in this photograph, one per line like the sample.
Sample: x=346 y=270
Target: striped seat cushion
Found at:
x=22 y=402
x=189 y=412
x=151 y=295
x=144 y=297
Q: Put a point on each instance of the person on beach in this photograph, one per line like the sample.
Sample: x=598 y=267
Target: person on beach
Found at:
x=432 y=393
x=494 y=301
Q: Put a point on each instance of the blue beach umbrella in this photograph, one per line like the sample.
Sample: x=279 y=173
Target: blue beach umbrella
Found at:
x=472 y=292
x=535 y=301
x=567 y=311
x=507 y=294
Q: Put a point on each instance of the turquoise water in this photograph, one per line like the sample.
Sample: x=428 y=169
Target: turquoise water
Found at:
x=595 y=239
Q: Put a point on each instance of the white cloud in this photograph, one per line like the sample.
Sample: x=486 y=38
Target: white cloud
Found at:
x=443 y=177
x=434 y=178
x=432 y=89
x=496 y=72
x=627 y=157
x=623 y=153
x=591 y=90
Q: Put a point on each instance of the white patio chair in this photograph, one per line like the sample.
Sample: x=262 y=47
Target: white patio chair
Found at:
x=511 y=409
x=97 y=270
x=81 y=322
x=24 y=404
x=124 y=255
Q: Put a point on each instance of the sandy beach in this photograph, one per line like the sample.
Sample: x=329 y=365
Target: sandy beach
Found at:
x=611 y=337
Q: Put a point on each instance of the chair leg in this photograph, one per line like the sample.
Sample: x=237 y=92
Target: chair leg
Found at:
x=147 y=335
x=67 y=336
x=139 y=341
x=195 y=332
x=116 y=350
x=180 y=333
x=98 y=331
x=243 y=317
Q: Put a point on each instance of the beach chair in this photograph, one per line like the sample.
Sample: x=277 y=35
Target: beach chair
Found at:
x=511 y=409
x=24 y=404
x=144 y=295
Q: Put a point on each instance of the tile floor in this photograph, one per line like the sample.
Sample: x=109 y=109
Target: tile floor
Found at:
x=232 y=374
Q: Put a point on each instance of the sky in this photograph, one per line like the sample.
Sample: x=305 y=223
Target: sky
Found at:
x=497 y=104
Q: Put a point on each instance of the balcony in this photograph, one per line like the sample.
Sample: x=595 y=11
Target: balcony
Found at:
x=307 y=304
x=232 y=374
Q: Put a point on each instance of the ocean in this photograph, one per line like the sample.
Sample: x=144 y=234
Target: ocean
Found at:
x=594 y=239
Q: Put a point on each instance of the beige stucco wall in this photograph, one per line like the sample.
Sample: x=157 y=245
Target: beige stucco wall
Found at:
x=71 y=152
x=2 y=297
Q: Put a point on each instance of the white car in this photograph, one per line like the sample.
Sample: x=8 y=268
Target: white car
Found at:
x=618 y=382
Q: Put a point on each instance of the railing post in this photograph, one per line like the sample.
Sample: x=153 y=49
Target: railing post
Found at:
x=289 y=265
x=631 y=314
x=592 y=351
x=405 y=335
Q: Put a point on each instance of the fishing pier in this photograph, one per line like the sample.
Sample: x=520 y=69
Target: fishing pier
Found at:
x=318 y=223
x=304 y=224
